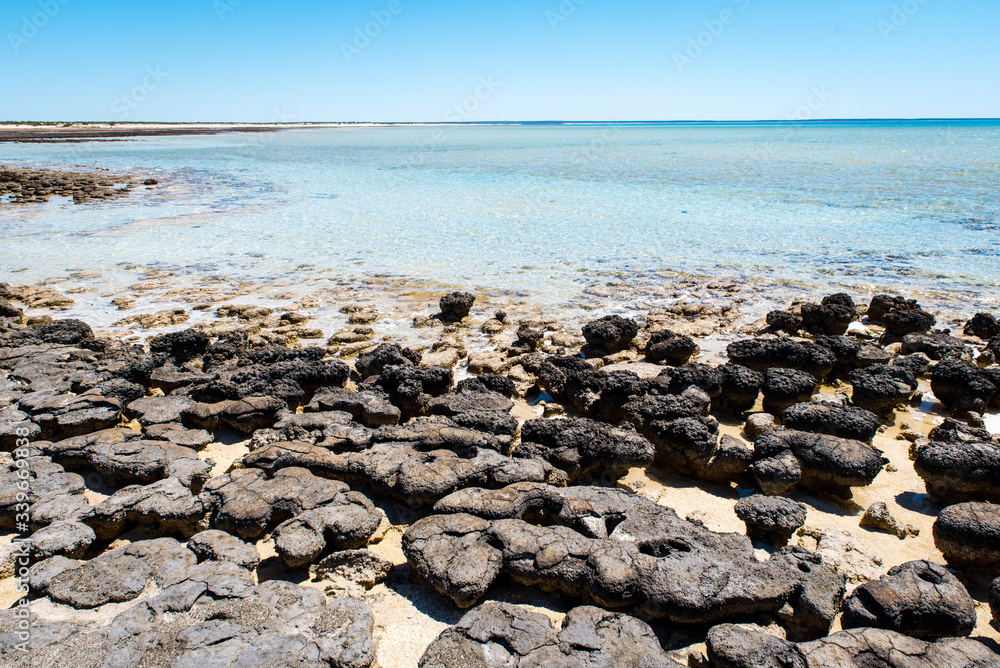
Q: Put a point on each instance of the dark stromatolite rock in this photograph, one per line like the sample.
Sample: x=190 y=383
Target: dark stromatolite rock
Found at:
x=211 y=618
x=343 y=523
x=953 y=431
x=16 y=425
x=167 y=506
x=8 y=310
x=603 y=394
x=585 y=448
x=686 y=438
x=740 y=388
x=783 y=321
x=52 y=494
x=503 y=634
x=123 y=457
x=437 y=432
x=498 y=423
x=488 y=382
x=936 y=345
x=782 y=353
x=179 y=435
x=786 y=458
x=898 y=323
x=668 y=347
x=555 y=370
x=368 y=408
x=65 y=332
x=181 y=346
x=962 y=386
x=882 y=303
x=918 y=598
x=124 y=391
x=456 y=403
x=244 y=415
x=385 y=354
x=611 y=334
x=960 y=471
x=968 y=535
x=615 y=549
x=828 y=318
x=731 y=646
x=67 y=538
x=982 y=325
x=335 y=429
x=770 y=519
x=853 y=353
x=66 y=415
x=406 y=471
x=158 y=410
x=784 y=387
x=247 y=504
x=879 y=388
x=709 y=379
x=825 y=418
x=411 y=388
x=215 y=545
x=291 y=379
x=456 y=305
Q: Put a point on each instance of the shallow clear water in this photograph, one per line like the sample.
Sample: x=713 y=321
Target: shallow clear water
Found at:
x=542 y=211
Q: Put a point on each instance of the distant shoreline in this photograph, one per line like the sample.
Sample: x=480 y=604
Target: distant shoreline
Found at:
x=70 y=132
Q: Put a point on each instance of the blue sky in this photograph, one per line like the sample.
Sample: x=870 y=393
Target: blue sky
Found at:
x=299 y=60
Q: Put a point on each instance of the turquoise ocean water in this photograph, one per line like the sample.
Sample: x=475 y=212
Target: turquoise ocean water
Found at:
x=542 y=211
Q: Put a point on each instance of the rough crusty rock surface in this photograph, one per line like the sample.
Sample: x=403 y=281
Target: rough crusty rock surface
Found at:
x=496 y=635
x=166 y=506
x=313 y=513
x=786 y=458
x=879 y=387
x=968 y=535
x=962 y=386
x=739 y=646
x=406 y=471
x=686 y=438
x=610 y=334
x=585 y=448
x=960 y=471
x=825 y=418
x=614 y=549
x=782 y=353
x=769 y=519
x=456 y=305
x=202 y=620
x=918 y=598
x=215 y=545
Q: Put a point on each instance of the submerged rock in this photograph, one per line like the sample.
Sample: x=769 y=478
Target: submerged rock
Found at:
x=456 y=305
